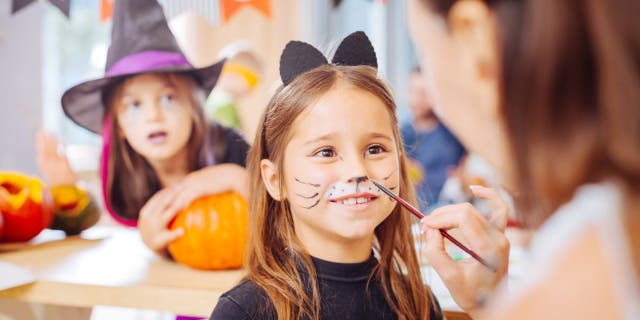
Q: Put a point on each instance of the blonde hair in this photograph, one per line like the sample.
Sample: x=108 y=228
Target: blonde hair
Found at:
x=275 y=254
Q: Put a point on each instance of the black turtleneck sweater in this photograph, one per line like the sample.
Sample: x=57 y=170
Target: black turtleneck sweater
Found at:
x=343 y=292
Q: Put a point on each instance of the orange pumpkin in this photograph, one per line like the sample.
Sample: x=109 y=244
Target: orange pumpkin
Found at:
x=26 y=206
x=215 y=232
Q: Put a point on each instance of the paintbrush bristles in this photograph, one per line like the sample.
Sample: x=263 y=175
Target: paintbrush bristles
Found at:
x=385 y=190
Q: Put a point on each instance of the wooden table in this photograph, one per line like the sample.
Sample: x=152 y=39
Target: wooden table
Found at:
x=116 y=269
x=111 y=266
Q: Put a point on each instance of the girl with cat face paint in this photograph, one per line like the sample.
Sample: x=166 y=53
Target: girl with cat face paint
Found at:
x=325 y=242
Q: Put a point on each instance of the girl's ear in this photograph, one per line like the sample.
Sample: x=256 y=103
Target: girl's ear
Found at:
x=270 y=178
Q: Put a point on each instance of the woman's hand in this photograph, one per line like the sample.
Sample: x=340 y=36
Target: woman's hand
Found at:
x=469 y=282
x=210 y=180
x=54 y=166
x=154 y=220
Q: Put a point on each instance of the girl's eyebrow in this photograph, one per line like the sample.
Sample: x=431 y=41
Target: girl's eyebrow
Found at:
x=329 y=136
x=381 y=136
x=321 y=138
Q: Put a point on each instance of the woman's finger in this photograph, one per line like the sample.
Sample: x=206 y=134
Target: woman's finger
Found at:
x=437 y=256
x=499 y=208
x=463 y=217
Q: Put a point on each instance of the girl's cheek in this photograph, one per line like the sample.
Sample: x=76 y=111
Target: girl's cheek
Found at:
x=178 y=115
x=172 y=107
x=386 y=170
x=324 y=178
x=306 y=179
x=130 y=116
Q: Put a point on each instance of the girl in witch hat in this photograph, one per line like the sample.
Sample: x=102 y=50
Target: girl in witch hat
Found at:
x=159 y=152
x=326 y=242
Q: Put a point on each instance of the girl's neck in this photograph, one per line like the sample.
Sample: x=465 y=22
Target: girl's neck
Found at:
x=170 y=171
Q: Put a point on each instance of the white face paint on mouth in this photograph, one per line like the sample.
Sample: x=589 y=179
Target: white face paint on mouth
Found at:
x=351 y=193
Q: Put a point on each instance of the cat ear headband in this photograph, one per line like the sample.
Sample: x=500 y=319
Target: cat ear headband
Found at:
x=299 y=57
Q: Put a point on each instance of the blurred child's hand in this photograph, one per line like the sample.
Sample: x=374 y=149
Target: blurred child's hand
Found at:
x=211 y=180
x=54 y=167
x=469 y=282
x=154 y=220
x=158 y=212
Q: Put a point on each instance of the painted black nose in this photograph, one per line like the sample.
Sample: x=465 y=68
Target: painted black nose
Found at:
x=358 y=179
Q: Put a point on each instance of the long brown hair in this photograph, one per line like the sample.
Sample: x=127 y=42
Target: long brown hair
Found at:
x=131 y=181
x=275 y=253
x=570 y=98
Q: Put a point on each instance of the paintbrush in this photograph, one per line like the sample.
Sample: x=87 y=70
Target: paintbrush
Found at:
x=444 y=233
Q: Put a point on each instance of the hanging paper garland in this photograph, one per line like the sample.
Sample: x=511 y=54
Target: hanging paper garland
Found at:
x=231 y=7
x=336 y=3
x=106 y=9
x=62 y=5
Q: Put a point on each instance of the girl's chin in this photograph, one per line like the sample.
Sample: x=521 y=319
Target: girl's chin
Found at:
x=160 y=155
x=358 y=229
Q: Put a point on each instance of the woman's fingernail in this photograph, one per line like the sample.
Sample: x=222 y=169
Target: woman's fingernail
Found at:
x=475 y=187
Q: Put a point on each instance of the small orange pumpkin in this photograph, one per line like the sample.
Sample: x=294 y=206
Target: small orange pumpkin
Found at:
x=215 y=232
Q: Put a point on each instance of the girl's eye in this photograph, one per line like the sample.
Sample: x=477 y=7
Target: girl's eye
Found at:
x=325 y=153
x=134 y=105
x=167 y=99
x=376 y=149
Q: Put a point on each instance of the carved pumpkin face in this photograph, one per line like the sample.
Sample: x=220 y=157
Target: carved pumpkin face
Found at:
x=26 y=206
x=215 y=232
x=75 y=210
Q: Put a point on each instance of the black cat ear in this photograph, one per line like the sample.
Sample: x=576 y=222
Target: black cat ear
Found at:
x=299 y=57
x=355 y=50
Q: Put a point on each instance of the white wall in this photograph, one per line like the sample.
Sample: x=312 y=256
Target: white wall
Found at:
x=20 y=85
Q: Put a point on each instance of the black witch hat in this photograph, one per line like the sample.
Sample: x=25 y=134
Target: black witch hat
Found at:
x=141 y=42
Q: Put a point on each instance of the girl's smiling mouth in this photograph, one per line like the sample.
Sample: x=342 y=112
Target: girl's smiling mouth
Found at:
x=355 y=199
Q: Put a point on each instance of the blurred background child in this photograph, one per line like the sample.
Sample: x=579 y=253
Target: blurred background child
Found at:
x=432 y=149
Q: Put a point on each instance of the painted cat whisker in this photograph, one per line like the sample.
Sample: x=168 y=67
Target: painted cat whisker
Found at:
x=390 y=174
x=307 y=197
x=313 y=205
x=317 y=185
